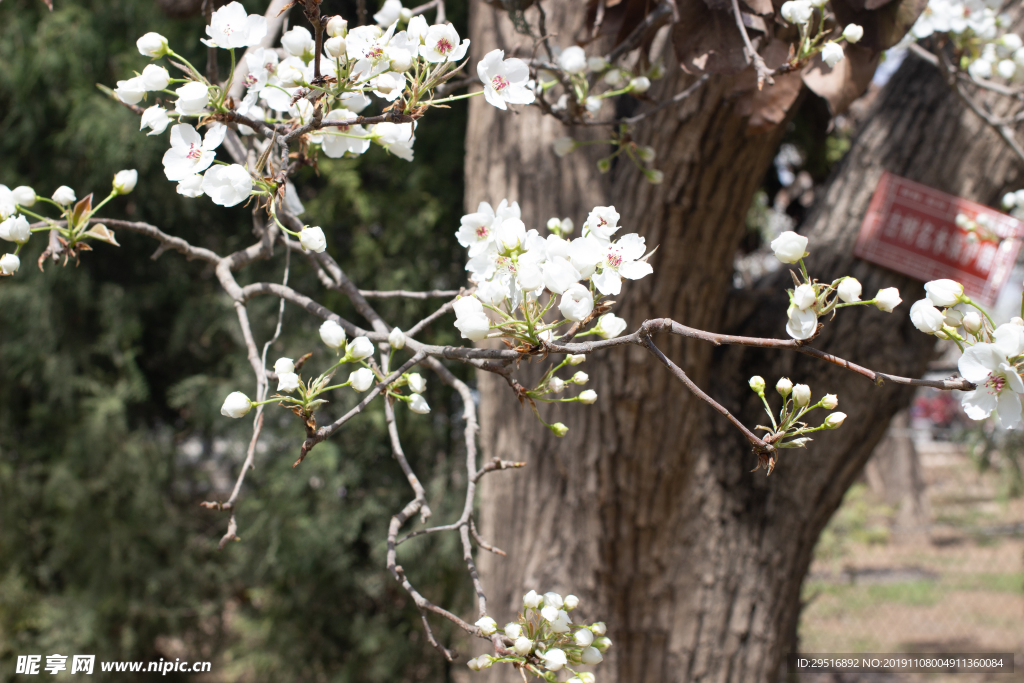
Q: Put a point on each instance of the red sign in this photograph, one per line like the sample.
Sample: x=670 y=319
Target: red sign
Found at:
x=912 y=229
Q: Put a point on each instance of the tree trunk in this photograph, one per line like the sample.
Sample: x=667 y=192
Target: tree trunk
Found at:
x=647 y=509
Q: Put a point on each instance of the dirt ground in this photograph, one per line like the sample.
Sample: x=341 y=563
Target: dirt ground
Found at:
x=953 y=585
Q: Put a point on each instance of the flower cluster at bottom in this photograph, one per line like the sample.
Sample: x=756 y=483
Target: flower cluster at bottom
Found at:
x=544 y=640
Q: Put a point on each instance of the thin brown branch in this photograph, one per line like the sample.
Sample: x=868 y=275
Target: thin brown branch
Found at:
x=764 y=74
x=406 y=294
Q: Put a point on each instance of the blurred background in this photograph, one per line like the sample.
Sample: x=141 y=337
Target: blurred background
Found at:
x=112 y=373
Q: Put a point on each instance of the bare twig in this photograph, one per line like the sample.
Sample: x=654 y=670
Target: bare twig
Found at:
x=764 y=74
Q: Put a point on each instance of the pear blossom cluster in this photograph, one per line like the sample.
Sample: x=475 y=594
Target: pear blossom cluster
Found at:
x=397 y=65
x=978 y=34
x=304 y=397
x=22 y=203
x=791 y=428
x=544 y=640
x=810 y=17
x=992 y=356
x=810 y=299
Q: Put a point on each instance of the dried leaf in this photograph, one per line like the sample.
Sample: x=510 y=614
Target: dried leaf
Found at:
x=707 y=41
x=103 y=234
x=768 y=107
x=762 y=7
x=846 y=81
x=82 y=209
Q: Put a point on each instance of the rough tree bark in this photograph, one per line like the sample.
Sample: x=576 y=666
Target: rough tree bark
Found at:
x=647 y=509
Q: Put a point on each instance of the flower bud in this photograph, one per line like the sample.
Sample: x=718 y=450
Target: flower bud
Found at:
x=944 y=292
x=584 y=637
x=1016 y=320
x=553 y=600
x=604 y=165
x=125 y=181
x=953 y=317
x=580 y=377
x=592 y=656
x=554 y=659
x=396 y=339
x=337 y=27
x=586 y=677
x=640 y=84
x=757 y=384
x=236 y=405
x=609 y=325
x=64 y=195
x=312 y=239
x=287 y=382
x=576 y=359
x=361 y=379
x=9 y=264
x=513 y=630
x=555 y=224
x=567 y=226
x=646 y=154
x=853 y=33
x=972 y=322
x=487 y=625
x=926 y=317
x=834 y=420
x=335 y=47
x=532 y=600
x=801 y=395
x=571 y=602
x=564 y=145
x=599 y=628
x=522 y=646
x=152 y=45
x=784 y=387
x=654 y=176
x=416 y=382
x=849 y=290
x=16 y=229
x=789 y=247
x=332 y=334
x=602 y=644
x=418 y=404
x=830 y=401
x=888 y=299
x=832 y=53
x=597 y=63
x=283 y=365
x=588 y=397
x=556 y=385
x=24 y=196
x=615 y=78
x=358 y=349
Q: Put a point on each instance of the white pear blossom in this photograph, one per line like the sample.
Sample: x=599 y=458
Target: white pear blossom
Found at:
x=7 y=204
x=396 y=339
x=9 y=264
x=797 y=11
x=312 y=239
x=441 y=44
x=804 y=297
x=573 y=60
x=361 y=379
x=155 y=77
x=339 y=140
x=332 y=334
x=849 y=290
x=830 y=401
x=832 y=53
x=283 y=365
x=298 y=42
x=588 y=397
x=556 y=385
x=470 y=318
x=599 y=628
x=944 y=292
x=131 y=91
x=513 y=630
x=192 y=99
x=640 y=84
x=554 y=659
x=835 y=419
x=64 y=195
x=504 y=80
x=152 y=45
x=416 y=382
x=359 y=348
x=231 y=27
x=580 y=378
x=236 y=405
x=622 y=259
x=397 y=138
x=887 y=299
x=522 y=646
x=926 y=317
x=487 y=625
x=492 y=292
x=591 y=656
x=125 y=181
x=972 y=322
x=509 y=234
x=532 y=600
x=998 y=383
x=577 y=303
x=609 y=325
x=155 y=118
x=602 y=222
x=16 y=229
x=228 y=185
x=335 y=47
x=584 y=637
x=1009 y=339
x=389 y=13
x=575 y=359
x=564 y=146
x=853 y=33
x=23 y=195
x=287 y=382
x=802 y=323
x=789 y=247
x=801 y=395
x=337 y=27
x=571 y=602
x=191 y=186
x=418 y=404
